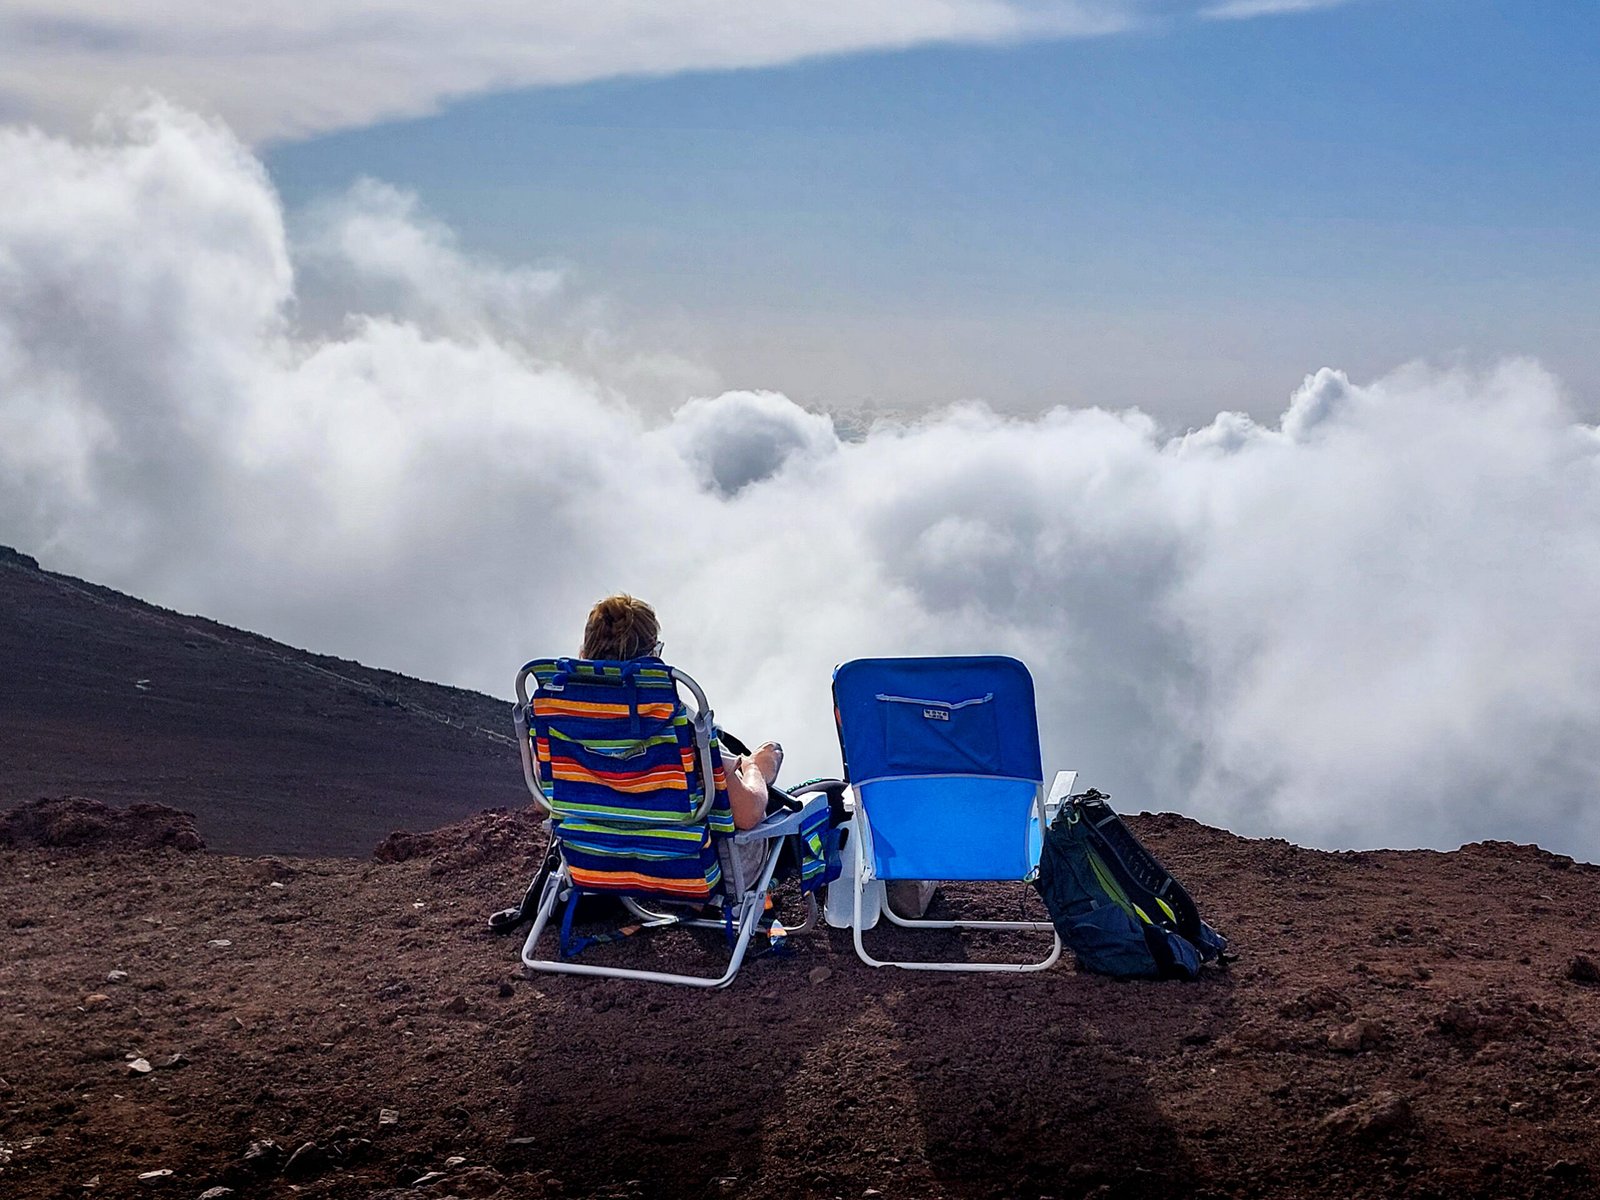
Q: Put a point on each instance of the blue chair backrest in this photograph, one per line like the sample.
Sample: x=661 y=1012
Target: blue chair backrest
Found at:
x=944 y=757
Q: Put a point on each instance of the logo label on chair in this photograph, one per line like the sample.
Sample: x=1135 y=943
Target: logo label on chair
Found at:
x=936 y=714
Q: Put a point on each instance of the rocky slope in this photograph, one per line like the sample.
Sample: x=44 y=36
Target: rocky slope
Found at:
x=1399 y=1024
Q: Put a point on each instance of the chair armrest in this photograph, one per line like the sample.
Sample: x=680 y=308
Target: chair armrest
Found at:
x=1060 y=788
x=782 y=824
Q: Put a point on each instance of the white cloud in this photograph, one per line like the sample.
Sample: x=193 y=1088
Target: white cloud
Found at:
x=1366 y=624
x=297 y=68
x=1233 y=10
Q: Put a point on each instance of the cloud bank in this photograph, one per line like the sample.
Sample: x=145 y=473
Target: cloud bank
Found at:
x=298 y=68
x=1369 y=623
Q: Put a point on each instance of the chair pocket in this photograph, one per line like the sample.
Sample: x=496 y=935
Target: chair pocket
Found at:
x=940 y=735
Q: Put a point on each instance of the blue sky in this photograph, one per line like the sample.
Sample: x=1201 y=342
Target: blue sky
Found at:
x=1187 y=218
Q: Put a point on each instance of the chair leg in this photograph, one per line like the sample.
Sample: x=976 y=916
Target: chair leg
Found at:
x=859 y=882
x=746 y=919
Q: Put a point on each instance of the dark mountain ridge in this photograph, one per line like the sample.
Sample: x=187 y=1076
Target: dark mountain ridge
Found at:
x=109 y=697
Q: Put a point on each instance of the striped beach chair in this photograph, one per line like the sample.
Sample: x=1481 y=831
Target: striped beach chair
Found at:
x=633 y=783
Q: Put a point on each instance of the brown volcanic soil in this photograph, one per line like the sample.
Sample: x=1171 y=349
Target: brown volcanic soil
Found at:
x=275 y=749
x=1399 y=1024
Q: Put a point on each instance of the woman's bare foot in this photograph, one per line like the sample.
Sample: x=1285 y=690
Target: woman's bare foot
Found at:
x=768 y=758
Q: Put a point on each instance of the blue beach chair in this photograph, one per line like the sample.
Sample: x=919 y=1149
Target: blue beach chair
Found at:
x=633 y=783
x=943 y=755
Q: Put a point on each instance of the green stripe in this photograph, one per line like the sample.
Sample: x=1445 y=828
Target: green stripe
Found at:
x=619 y=815
x=1110 y=886
x=674 y=833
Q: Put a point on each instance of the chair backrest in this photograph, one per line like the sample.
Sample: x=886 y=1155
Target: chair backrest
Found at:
x=944 y=757
x=619 y=763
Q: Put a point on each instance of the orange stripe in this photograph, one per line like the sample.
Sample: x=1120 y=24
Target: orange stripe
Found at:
x=696 y=888
x=669 y=780
x=587 y=708
x=613 y=778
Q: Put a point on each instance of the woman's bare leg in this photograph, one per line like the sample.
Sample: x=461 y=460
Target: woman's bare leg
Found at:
x=768 y=758
x=748 y=776
x=747 y=792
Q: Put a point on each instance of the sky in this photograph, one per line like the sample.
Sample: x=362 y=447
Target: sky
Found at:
x=1229 y=363
x=1185 y=217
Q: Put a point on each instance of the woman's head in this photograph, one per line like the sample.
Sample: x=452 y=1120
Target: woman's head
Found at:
x=620 y=628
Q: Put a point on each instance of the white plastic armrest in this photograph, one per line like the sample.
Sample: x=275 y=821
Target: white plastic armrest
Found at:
x=781 y=824
x=1060 y=788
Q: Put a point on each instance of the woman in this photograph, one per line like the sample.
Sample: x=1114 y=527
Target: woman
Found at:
x=621 y=628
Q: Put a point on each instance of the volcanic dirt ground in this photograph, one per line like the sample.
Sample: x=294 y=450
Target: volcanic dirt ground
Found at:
x=175 y=1019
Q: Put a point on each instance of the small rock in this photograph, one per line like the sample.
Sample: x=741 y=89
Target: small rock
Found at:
x=357 y=1149
x=270 y=867
x=172 y=1062
x=1582 y=969
x=309 y=1161
x=219 y=943
x=456 y=1004
x=455 y=1160
x=388 y=1116
x=820 y=974
x=117 y=977
x=477 y=1181
x=1355 y=1037
x=140 y=1066
x=216 y=1193
x=425 y=1180
x=263 y=1157
x=275 y=884
x=1379 y=1114
x=96 y=1000
x=91 y=1183
x=522 y=1141
x=238 y=1022
x=506 y=990
x=152 y=1176
x=910 y=898
x=872 y=1192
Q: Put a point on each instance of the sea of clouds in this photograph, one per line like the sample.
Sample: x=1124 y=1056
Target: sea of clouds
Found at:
x=1373 y=623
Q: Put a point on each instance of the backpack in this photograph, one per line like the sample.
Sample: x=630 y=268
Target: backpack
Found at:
x=1112 y=901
